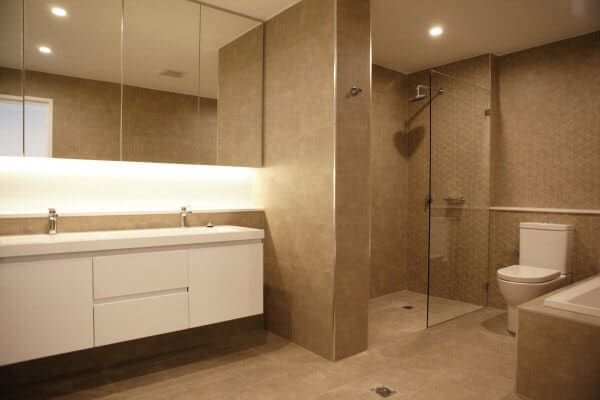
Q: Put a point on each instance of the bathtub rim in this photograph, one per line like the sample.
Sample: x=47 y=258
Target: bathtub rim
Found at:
x=563 y=299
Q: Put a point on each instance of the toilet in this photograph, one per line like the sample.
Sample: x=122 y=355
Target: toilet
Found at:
x=544 y=265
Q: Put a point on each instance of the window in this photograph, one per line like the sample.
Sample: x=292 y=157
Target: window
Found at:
x=38 y=126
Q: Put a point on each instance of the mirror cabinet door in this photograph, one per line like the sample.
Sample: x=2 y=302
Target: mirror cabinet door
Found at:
x=132 y=80
x=160 y=74
x=72 y=78
x=192 y=84
x=231 y=73
x=11 y=88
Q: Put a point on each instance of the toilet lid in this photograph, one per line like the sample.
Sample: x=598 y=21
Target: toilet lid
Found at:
x=527 y=274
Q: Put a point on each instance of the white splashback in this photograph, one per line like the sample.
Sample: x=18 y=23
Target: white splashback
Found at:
x=31 y=185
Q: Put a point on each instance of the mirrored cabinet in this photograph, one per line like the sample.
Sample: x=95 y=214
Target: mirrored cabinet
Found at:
x=161 y=69
x=134 y=80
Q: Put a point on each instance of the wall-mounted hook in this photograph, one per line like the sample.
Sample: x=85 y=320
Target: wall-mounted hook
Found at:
x=355 y=91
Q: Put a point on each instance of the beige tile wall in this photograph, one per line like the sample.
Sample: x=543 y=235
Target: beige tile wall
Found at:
x=315 y=180
x=389 y=182
x=240 y=114
x=297 y=178
x=547 y=152
x=352 y=170
x=558 y=358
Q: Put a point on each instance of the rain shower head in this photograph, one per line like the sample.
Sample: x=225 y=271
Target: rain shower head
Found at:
x=421 y=93
x=421 y=90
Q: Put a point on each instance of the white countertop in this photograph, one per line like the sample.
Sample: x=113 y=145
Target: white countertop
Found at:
x=74 y=242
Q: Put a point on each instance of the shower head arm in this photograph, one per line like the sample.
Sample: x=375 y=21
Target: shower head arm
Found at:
x=421 y=96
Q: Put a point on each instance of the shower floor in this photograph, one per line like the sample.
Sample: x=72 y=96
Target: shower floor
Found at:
x=440 y=309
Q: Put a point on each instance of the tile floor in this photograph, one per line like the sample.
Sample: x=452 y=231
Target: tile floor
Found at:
x=442 y=310
x=471 y=357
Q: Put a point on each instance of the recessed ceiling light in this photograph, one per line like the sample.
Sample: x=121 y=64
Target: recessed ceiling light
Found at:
x=436 y=31
x=45 y=49
x=59 y=12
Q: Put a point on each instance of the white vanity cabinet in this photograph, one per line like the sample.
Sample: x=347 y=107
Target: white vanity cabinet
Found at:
x=75 y=291
x=45 y=307
x=226 y=282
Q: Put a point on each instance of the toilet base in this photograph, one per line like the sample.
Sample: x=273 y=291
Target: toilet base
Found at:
x=517 y=293
x=513 y=319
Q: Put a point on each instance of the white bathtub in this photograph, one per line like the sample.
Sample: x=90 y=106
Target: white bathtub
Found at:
x=583 y=298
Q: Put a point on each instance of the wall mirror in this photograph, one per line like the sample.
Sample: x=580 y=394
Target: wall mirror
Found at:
x=131 y=80
x=11 y=90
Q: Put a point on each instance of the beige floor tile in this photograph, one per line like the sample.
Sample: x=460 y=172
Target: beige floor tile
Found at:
x=471 y=357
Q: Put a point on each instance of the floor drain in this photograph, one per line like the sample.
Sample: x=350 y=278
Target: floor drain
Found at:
x=408 y=307
x=383 y=391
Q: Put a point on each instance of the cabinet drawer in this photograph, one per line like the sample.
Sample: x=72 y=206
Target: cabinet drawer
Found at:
x=132 y=319
x=127 y=274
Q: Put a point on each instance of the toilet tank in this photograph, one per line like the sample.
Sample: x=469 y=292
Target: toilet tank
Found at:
x=546 y=245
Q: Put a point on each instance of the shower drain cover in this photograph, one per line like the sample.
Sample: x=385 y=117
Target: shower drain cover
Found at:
x=383 y=391
x=408 y=307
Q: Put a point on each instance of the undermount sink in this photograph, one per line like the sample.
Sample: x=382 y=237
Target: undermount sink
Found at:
x=69 y=242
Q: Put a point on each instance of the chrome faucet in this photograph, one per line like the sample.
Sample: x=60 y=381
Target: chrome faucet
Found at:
x=53 y=219
x=185 y=211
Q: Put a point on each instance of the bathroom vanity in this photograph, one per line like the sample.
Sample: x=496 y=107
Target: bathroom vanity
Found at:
x=72 y=291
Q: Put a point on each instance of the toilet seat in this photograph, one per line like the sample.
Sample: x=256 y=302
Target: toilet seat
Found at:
x=527 y=274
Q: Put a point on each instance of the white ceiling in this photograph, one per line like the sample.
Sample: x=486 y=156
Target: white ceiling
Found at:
x=401 y=38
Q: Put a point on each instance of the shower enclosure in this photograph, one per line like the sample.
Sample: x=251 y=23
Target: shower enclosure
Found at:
x=458 y=212
x=430 y=169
